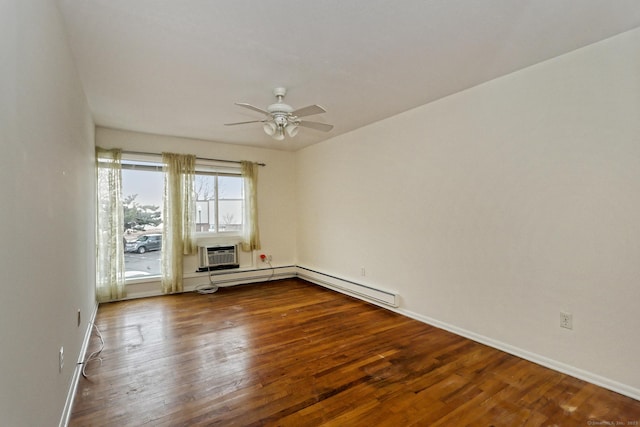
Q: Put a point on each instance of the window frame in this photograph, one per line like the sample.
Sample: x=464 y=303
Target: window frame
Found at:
x=216 y=200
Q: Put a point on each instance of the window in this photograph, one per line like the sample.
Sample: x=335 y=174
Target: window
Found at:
x=142 y=186
x=219 y=203
x=219 y=208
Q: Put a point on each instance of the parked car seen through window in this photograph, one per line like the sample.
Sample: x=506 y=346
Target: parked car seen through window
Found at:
x=146 y=243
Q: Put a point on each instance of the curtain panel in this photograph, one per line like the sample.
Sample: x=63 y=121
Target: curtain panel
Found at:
x=110 y=280
x=251 y=232
x=178 y=218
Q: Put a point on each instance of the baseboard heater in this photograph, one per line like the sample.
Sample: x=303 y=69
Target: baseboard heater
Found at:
x=217 y=257
x=373 y=294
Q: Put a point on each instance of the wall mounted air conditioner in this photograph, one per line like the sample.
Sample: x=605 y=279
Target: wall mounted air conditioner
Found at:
x=217 y=257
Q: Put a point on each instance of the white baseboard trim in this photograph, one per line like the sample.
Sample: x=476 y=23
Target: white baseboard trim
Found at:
x=73 y=387
x=368 y=293
x=590 y=377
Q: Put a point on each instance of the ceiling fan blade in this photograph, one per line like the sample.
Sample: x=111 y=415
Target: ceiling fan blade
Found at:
x=251 y=107
x=243 y=123
x=308 y=111
x=316 y=125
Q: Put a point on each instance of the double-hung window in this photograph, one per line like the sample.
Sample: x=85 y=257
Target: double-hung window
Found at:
x=219 y=202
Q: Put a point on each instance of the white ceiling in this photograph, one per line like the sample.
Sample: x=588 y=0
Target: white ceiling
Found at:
x=176 y=67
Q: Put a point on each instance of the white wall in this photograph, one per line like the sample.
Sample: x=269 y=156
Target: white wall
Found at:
x=276 y=191
x=47 y=216
x=489 y=211
x=494 y=209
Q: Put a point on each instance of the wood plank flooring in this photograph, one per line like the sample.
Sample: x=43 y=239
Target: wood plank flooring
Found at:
x=289 y=353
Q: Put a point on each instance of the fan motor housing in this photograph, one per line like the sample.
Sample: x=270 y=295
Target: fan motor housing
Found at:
x=279 y=107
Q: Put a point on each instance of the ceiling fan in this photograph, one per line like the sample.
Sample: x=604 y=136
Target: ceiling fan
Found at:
x=281 y=118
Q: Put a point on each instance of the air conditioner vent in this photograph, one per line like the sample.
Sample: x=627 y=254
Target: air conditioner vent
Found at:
x=217 y=257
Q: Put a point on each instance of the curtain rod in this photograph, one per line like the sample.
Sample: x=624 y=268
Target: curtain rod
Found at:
x=197 y=158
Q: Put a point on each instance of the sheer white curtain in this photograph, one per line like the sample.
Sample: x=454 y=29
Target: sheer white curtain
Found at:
x=251 y=233
x=178 y=218
x=109 y=227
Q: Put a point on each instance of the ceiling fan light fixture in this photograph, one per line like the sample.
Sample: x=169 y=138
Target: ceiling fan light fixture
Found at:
x=279 y=134
x=280 y=120
x=292 y=130
x=269 y=128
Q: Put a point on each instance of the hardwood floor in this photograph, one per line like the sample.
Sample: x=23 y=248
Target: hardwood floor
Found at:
x=289 y=353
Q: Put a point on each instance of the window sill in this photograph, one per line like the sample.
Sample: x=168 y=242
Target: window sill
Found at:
x=142 y=279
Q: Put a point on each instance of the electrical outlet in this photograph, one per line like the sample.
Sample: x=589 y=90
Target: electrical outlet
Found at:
x=61 y=359
x=265 y=258
x=79 y=318
x=566 y=320
x=363 y=272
